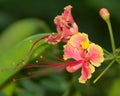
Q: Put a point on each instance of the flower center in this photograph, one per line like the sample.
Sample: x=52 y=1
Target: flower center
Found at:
x=85 y=44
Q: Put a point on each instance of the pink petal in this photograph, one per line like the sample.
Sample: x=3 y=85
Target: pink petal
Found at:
x=87 y=70
x=73 y=66
x=59 y=23
x=95 y=54
x=67 y=14
x=71 y=52
x=76 y=39
x=65 y=24
x=54 y=38
x=71 y=27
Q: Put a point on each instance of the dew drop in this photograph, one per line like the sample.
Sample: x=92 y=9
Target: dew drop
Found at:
x=41 y=57
x=35 y=54
x=23 y=63
x=30 y=41
x=36 y=61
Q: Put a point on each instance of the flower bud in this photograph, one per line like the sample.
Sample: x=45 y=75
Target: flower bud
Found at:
x=104 y=13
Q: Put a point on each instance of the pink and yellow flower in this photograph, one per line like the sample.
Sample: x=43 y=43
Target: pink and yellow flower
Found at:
x=86 y=55
x=65 y=26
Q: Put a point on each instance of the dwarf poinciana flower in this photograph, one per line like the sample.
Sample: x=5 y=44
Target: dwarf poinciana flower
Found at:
x=86 y=54
x=65 y=26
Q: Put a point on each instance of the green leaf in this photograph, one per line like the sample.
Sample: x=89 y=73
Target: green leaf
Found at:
x=32 y=87
x=19 y=31
x=52 y=82
x=9 y=88
x=11 y=58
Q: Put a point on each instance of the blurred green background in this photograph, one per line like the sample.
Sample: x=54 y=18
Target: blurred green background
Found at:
x=20 y=19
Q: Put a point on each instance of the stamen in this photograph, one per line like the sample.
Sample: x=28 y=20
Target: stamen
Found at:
x=29 y=76
x=16 y=79
x=30 y=52
x=32 y=74
x=52 y=55
x=73 y=63
x=42 y=66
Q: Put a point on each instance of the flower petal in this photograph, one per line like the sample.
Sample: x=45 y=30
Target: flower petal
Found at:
x=67 y=14
x=70 y=27
x=54 y=38
x=71 y=52
x=92 y=70
x=65 y=24
x=59 y=24
x=76 y=39
x=73 y=66
x=95 y=54
x=87 y=70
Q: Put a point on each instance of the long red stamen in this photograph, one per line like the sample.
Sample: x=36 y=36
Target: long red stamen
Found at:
x=56 y=65
x=52 y=55
x=53 y=66
x=33 y=45
x=29 y=76
x=72 y=63
x=30 y=51
x=40 y=66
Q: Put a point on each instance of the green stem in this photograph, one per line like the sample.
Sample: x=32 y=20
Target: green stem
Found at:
x=103 y=71
x=107 y=52
x=108 y=59
x=111 y=35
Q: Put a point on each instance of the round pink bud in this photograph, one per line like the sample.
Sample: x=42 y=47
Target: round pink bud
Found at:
x=104 y=13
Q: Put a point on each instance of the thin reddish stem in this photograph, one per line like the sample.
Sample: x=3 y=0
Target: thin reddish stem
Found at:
x=40 y=66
